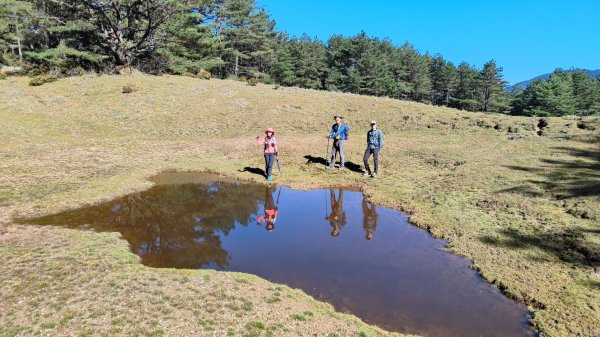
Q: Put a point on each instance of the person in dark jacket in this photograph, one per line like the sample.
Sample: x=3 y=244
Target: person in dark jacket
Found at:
x=374 y=145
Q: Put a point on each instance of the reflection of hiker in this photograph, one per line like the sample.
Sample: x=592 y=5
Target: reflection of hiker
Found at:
x=339 y=133
x=374 y=145
x=271 y=210
x=370 y=218
x=271 y=151
x=337 y=218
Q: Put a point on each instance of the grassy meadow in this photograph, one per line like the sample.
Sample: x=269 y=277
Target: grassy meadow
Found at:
x=518 y=196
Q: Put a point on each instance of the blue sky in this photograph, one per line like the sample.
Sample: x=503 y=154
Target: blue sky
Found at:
x=527 y=38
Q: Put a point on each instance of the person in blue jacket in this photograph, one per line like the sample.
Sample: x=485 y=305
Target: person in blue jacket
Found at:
x=374 y=145
x=339 y=134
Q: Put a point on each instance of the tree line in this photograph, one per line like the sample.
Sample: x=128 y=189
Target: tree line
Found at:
x=237 y=39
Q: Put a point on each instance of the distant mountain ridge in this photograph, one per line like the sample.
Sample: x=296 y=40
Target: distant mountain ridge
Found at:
x=525 y=84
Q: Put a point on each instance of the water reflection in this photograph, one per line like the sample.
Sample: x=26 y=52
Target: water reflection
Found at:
x=386 y=271
x=271 y=210
x=170 y=226
x=370 y=218
x=337 y=218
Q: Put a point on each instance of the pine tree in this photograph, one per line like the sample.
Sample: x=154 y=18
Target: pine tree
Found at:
x=583 y=90
x=416 y=73
x=283 y=66
x=341 y=56
x=492 y=94
x=466 y=94
x=595 y=107
x=14 y=15
x=250 y=37
x=444 y=79
x=187 y=42
x=553 y=97
x=373 y=66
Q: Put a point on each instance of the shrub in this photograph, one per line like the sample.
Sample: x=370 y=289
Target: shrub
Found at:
x=2 y=75
x=204 y=74
x=129 y=88
x=42 y=79
x=77 y=71
x=252 y=81
x=34 y=70
x=276 y=87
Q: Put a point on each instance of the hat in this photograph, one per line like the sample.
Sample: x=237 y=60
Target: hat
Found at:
x=373 y=122
x=270 y=130
x=336 y=116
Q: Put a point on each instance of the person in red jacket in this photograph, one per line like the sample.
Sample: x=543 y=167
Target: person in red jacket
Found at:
x=271 y=151
x=271 y=211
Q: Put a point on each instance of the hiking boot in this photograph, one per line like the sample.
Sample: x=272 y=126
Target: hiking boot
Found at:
x=366 y=174
x=269 y=178
x=329 y=167
x=341 y=168
x=374 y=175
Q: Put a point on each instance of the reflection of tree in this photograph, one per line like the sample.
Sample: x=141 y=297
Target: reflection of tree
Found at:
x=172 y=226
x=370 y=218
x=337 y=218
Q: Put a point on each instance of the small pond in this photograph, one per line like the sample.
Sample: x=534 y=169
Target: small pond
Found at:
x=332 y=243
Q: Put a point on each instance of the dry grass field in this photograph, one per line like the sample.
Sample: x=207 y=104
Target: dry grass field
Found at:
x=518 y=197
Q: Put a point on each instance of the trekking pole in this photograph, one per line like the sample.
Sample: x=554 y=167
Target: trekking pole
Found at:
x=279 y=166
x=327 y=155
x=326 y=208
x=278 y=195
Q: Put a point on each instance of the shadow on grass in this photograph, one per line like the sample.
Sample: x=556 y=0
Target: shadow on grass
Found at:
x=563 y=179
x=571 y=245
x=254 y=170
x=321 y=161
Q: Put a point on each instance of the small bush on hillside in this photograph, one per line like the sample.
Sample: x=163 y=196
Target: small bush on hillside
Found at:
x=34 y=70
x=253 y=81
x=42 y=79
x=276 y=87
x=129 y=88
x=204 y=74
x=2 y=75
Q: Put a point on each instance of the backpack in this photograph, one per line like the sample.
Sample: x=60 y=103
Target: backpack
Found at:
x=273 y=142
x=346 y=131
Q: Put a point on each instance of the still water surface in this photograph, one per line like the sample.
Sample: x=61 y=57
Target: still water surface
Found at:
x=333 y=243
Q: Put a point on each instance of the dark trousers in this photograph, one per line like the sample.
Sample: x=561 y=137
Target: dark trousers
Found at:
x=337 y=147
x=375 y=153
x=269 y=160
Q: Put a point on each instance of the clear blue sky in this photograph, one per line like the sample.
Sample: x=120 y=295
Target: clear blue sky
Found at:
x=526 y=38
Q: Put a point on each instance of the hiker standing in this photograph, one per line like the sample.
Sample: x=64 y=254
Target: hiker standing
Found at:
x=271 y=211
x=271 y=151
x=374 y=145
x=339 y=133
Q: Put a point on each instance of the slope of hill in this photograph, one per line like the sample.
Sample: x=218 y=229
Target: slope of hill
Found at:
x=518 y=196
x=525 y=84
